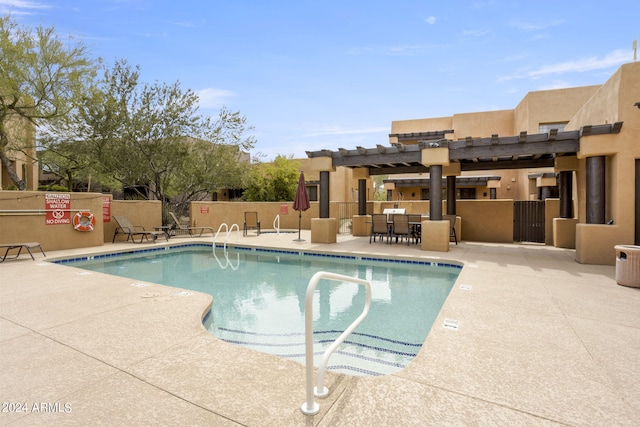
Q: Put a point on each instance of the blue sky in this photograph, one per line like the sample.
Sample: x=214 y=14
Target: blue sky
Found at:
x=310 y=75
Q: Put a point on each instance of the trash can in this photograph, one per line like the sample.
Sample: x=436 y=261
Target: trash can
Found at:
x=628 y=265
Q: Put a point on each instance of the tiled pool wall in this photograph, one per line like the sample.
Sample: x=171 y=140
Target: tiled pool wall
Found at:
x=240 y=248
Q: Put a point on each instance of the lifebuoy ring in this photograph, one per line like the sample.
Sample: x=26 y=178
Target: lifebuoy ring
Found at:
x=84 y=221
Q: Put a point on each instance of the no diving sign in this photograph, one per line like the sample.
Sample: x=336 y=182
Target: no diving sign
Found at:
x=57 y=207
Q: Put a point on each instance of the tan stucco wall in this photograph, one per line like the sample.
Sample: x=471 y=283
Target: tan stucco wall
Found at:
x=483 y=124
x=486 y=220
x=550 y=106
x=613 y=102
x=551 y=211
x=145 y=213
x=422 y=125
x=214 y=214
x=30 y=224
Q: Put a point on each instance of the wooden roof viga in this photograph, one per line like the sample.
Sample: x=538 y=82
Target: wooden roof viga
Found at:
x=495 y=152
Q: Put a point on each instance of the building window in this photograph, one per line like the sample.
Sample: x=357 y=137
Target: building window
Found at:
x=312 y=191
x=546 y=127
x=465 y=193
x=424 y=194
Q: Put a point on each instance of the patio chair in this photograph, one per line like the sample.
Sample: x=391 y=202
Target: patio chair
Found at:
x=415 y=221
x=401 y=229
x=379 y=227
x=131 y=231
x=251 y=222
x=20 y=246
x=452 y=231
x=179 y=228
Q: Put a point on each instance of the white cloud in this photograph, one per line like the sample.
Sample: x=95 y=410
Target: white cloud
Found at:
x=613 y=59
x=213 y=98
x=431 y=20
x=342 y=131
x=527 y=26
x=20 y=7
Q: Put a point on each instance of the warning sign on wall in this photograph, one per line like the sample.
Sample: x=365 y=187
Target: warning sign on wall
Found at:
x=106 y=209
x=57 y=206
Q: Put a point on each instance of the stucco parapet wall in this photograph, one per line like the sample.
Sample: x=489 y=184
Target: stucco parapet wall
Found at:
x=565 y=163
x=322 y=164
x=435 y=156
x=452 y=169
x=360 y=173
x=598 y=145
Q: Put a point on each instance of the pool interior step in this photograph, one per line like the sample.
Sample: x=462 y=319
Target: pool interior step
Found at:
x=360 y=354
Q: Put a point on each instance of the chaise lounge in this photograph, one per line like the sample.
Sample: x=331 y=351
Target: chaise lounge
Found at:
x=183 y=229
x=131 y=231
x=19 y=246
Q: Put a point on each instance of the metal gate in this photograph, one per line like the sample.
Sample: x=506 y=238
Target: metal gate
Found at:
x=346 y=211
x=528 y=221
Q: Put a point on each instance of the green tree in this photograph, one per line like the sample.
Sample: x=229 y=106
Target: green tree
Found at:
x=152 y=139
x=273 y=182
x=41 y=77
x=378 y=187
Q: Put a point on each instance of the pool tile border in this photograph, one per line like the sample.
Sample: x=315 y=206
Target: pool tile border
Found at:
x=260 y=250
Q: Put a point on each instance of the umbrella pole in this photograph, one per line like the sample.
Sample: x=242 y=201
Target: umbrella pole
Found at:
x=299 y=227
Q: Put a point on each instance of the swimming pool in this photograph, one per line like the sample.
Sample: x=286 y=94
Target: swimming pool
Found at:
x=258 y=299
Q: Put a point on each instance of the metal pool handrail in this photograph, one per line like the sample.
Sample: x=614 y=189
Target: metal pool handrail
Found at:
x=226 y=237
x=276 y=224
x=310 y=407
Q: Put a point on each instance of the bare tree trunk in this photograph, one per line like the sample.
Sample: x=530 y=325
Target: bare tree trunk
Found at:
x=20 y=183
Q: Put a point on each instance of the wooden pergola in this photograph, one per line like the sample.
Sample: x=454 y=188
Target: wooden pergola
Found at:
x=471 y=154
x=497 y=152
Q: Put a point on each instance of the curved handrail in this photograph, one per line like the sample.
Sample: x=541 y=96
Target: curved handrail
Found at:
x=276 y=224
x=310 y=407
x=224 y=224
x=229 y=232
x=226 y=237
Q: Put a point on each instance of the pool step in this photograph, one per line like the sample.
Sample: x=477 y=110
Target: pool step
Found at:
x=360 y=354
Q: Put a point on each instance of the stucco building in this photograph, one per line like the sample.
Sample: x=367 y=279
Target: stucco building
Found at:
x=581 y=145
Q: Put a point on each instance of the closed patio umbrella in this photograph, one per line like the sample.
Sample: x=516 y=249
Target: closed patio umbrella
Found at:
x=301 y=202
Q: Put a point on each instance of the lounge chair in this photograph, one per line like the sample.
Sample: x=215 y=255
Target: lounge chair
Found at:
x=452 y=231
x=19 y=246
x=131 y=231
x=178 y=227
x=251 y=222
x=401 y=228
x=379 y=227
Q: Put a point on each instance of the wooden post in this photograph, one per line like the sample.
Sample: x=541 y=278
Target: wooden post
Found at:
x=451 y=195
x=435 y=192
x=566 y=192
x=596 y=190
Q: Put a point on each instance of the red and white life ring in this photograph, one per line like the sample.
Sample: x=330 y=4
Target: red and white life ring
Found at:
x=84 y=221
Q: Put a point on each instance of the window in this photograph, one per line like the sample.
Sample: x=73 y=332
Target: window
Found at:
x=465 y=193
x=312 y=191
x=546 y=127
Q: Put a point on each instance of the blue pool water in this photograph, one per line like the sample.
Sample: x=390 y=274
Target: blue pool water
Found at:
x=258 y=299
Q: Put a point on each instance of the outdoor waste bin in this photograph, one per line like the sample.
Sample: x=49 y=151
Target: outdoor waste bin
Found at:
x=628 y=265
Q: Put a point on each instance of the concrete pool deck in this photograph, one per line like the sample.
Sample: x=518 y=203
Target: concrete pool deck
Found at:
x=540 y=340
